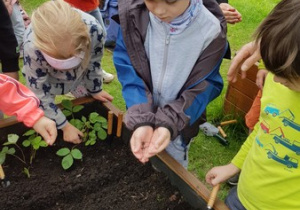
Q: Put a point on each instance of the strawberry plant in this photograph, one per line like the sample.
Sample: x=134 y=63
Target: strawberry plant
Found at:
x=69 y=156
x=34 y=141
x=94 y=127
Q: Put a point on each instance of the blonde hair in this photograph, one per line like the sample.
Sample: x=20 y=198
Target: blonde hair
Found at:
x=60 y=32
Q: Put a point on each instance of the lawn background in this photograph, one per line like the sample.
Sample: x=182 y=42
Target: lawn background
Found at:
x=205 y=152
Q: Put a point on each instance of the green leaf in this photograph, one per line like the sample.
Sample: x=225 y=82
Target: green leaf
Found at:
x=12 y=138
x=7 y=143
x=43 y=144
x=77 y=123
x=4 y=150
x=101 y=119
x=36 y=140
x=63 y=152
x=93 y=117
x=2 y=158
x=67 y=161
x=93 y=142
x=67 y=104
x=36 y=146
x=66 y=112
x=92 y=134
x=87 y=143
x=97 y=126
x=83 y=119
x=104 y=125
x=30 y=138
x=29 y=132
x=102 y=134
x=26 y=143
x=77 y=108
x=76 y=154
x=11 y=151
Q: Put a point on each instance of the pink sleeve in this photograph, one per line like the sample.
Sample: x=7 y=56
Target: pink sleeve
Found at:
x=17 y=99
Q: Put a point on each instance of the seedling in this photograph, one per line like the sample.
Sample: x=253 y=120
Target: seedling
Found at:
x=93 y=127
x=12 y=139
x=69 y=156
x=70 y=109
x=35 y=141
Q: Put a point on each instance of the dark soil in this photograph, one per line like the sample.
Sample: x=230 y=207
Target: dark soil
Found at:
x=109 y=177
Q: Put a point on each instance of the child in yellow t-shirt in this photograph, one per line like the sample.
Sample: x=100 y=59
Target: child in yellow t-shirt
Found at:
x=269 y=158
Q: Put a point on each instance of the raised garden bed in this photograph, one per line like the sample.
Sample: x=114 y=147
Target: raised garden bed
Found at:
x=109 y=177
x=241 y=94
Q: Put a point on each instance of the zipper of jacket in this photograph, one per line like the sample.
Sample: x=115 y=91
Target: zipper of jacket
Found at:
x=166 y=51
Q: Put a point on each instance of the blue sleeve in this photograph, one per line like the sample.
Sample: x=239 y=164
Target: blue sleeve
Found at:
x=133 y=87
x=213 y=88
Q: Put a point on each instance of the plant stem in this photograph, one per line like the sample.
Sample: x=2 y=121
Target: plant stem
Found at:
x=24 y=160
x=20 y=159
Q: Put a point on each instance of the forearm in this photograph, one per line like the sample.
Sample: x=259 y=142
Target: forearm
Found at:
x=19 y=100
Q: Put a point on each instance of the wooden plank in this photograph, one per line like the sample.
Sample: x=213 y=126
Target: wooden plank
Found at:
x=251 y=73
x=246 y=87
x=240 y=100
x=230 y=108
x=190 y=179
x=8 y=121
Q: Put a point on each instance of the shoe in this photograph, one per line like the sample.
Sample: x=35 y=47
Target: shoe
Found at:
x=107 y=77
x=234 y=180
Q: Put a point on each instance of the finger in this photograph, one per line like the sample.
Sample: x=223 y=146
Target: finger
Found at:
x=235 y=66
x=208 y=177
x=103 y=99
x=46 y=136
x=144 y=159
x=135 y=145
x=259 y=82
x=250 y=61
x=109 y=97
x=53 y=135
x=80 y=134
x=78 y=140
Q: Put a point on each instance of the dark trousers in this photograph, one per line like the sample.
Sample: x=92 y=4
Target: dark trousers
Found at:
x=232 y=200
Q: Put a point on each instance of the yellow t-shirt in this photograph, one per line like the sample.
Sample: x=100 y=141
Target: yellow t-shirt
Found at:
x=269 y=158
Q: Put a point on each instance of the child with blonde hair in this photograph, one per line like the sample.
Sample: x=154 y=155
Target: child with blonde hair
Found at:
x=269 y=158
x=63 y=48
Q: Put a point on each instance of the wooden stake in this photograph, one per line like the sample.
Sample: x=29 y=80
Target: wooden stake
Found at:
x=222 y=132
x=213 y=196
x=110 y=116
x=120 y=123
x=2 y=175
x=228 y=122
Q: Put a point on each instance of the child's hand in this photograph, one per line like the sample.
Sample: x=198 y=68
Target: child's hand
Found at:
x=260 y=78
x=47 y=129
x=140 y=141
x=231 y=15
x=160 y=140
x=220 y=174
x=103 y=96
x=246 y=57
x=72 y=134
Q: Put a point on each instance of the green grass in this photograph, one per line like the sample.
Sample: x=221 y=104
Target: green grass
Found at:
x=205 y=152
